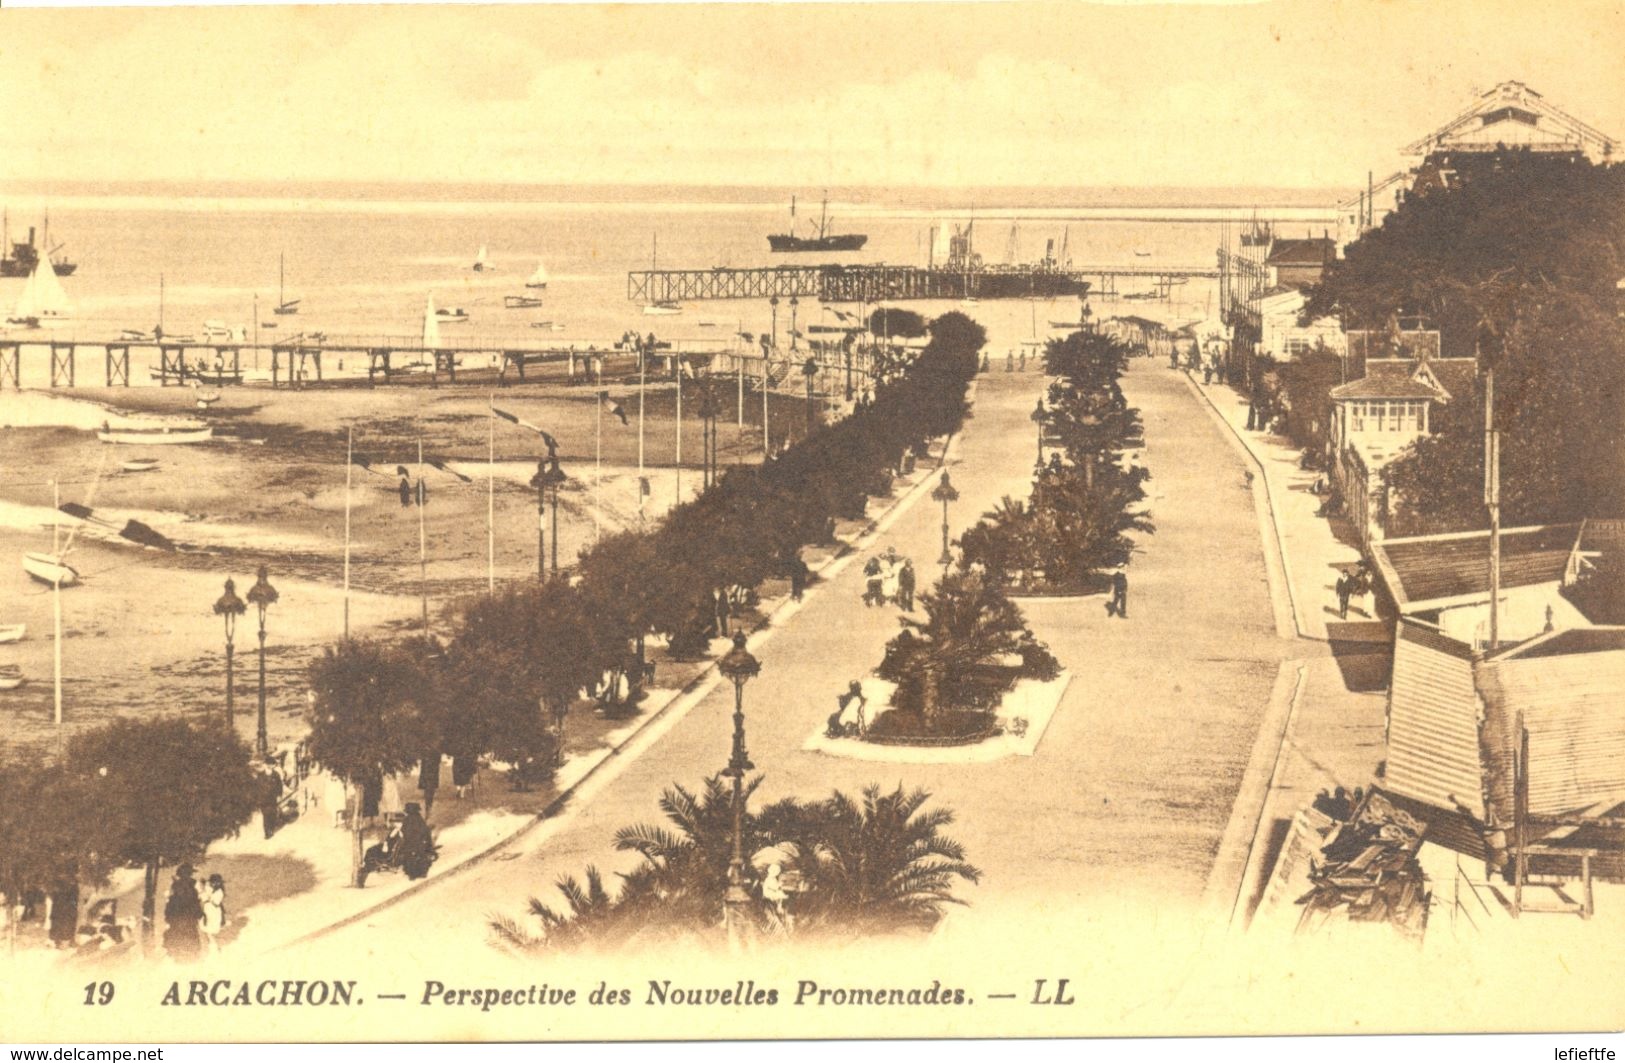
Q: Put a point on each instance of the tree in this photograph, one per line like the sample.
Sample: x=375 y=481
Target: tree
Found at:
x=54 y=830
x=1518 y=267
x=955 y=659
x=872 y=866
x=165 y=789
x=1307 y=382
x=371 y=716
x=894 y=321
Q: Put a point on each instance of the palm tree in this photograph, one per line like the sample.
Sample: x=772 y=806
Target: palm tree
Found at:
x=866 y=867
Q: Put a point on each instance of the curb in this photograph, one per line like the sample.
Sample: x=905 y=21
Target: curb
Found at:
x=1227 y=894
x=685 y=696
x=1279 y=581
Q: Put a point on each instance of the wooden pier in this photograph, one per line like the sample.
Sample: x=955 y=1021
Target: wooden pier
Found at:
x=303 y=361
x=875 y=283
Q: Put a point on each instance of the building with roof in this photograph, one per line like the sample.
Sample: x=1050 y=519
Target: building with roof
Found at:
x=1281 y=334
x=1514 y=755
x=1444 y=581
x=1381 y=412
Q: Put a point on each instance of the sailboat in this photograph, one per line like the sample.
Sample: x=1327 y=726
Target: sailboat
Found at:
x=539 y=278
x=660 y=307
x=431 y=326
x=43 y=304
x=480 y=265
x=284 y=305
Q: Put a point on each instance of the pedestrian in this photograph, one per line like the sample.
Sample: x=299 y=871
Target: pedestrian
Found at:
x=62 y=919
x=463 y=768
x=1344 y=589
x=389 y=797
x=854 y=694
x=429 y=778
x=406 y=492
x=905 y=586
x=872 y=582
x=417 y=849
x=1118 y=605
x=890 y=571
x=723 y=610
x=214 y=911
x=1009 y=361
x=269 y=783
x=798 y=577
x=182 y=913
x=1022 y=361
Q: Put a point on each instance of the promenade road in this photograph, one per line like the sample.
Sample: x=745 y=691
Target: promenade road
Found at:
x=1134 y=781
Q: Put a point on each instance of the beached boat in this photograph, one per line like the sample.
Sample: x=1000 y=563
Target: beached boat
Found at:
x=451 y=315
x=11 y=677
x=157 y=435
x=480 y=264
x=664 y=307
x=284 y=305
x=13 y=632
x=539 y=278
x=139 y=465
x=43 y=304
x=50 y=569
x=551 y=326
x=521 y=302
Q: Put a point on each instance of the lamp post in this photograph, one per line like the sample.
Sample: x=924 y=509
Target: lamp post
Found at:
x=262 y=595
x=230 y=607
x=738 y=667
x=555 y=476
x=1038 y=419
x=810 y=370
x=945 y=493
x=1087 y=318
x=539 y=481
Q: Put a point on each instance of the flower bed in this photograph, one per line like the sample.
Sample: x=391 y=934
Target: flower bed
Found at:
x=898 y=728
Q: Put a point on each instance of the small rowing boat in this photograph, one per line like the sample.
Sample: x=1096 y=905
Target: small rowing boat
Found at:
x=11 y=677
x=139 y=465
x=160 y=435
x=13 y=632
x=521 y=302
x=50 y=570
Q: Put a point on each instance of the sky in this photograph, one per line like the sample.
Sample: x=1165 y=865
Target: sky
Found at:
x=1308 y=93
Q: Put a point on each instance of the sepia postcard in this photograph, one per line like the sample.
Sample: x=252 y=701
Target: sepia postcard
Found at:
x=811 y=521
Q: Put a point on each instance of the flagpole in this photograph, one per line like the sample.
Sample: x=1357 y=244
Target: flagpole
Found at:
x=423 y=556
x=56 y=610
x=491 y=502
x=349 y=466
x=641 y=371
x=598 y=462
x=678 y=362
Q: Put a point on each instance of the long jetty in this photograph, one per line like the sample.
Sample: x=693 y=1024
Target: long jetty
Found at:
x=299 y=361
x=873 y=283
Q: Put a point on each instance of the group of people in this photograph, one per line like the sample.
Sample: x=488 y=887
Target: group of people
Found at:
x=194 y=914
x=407 y=846
x=889 y=578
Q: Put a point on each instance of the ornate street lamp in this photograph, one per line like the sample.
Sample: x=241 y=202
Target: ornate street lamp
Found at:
x=945 y=493
x=809 y=369
x=1038 y=419
x=262 y=596
x=738 y=667
x=231 y=607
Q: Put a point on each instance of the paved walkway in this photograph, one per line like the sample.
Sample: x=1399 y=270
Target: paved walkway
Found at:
x=1134 y=782
x=1329 y=709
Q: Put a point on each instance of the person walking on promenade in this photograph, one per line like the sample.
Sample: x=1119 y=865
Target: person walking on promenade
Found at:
x=429 y=778
x=182 y=913
x=1021 y=365
x=872 y=581
x=1009 y=361
x=905 y=586
x=406 y=492
x=417 y=848
x=1345 y=587
x=723 y=610
x=62 y=918
x=1118 y=605
x=798 y=577
x=214 y=911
